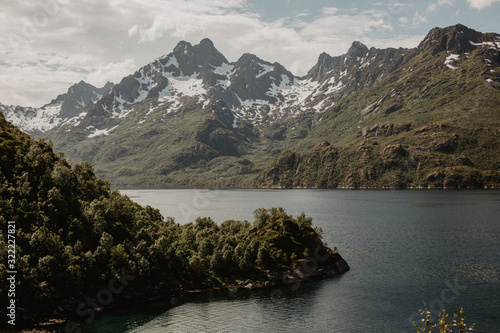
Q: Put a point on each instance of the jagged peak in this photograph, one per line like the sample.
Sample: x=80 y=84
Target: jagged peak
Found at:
x=250 y=61
x=455 y=39
x=108 y=85
x=81 y=84
x=182 y=46
x=249 y=57
x=72 y=90
x=323 y=65
x=281 y=69
x=191 y=58
x=357 y=49
x=206 y=42
x=206 y=54
x=324 y=58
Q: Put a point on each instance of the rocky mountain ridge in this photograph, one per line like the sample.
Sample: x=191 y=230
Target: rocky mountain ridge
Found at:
x=206 y=121
x=431 y=123
x=64 y=108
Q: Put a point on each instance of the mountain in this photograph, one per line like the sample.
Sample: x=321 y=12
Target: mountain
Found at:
x=191 y=105
x=429 y=122
x=66 y=107
x=191 y=118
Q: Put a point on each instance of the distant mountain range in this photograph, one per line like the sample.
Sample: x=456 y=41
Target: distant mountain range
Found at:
x=422 y=117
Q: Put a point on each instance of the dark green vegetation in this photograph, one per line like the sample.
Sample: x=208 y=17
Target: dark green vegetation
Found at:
x=399 y=118
x=74 y=235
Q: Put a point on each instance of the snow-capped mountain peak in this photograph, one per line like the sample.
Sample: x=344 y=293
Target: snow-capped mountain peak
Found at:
x=66 y=107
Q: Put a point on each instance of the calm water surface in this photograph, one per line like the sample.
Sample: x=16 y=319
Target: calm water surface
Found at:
x=404 y=247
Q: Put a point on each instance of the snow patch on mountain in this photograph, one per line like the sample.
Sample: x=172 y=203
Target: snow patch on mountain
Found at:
x=224 y=69
x=166 y=93
x=33 y=120
x=98 y=132
x=492 y=45
x=265 y=69
x=278 y=89
x=451 y=60
x=75 y=121
x=178 y=87
x=188 y=85
x=162 y=78
x=172 y=61
x=296 y=97
x=331 y=88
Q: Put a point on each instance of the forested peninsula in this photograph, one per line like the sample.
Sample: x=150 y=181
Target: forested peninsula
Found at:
x=76 y=239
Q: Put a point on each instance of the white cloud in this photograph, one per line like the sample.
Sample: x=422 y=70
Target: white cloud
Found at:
x=334 y=34
x=480 y=4
x=35 y=83
x=434 y=5
x=181 y=18
x=419 y=19
x=112 y=72
x=330 y=10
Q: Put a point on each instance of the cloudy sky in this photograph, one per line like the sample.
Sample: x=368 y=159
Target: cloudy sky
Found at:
x=49 y=45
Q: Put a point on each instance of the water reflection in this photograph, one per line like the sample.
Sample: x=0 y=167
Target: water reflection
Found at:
x=222 y=311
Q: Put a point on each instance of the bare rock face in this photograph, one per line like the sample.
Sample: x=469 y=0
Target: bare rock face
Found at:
x=310 y=268
x=394 y=151
x=79 y=95
x=356 y=51
x=385 y=130
x=456 y=39
x=192 y=58
x=206 y=54
x=253 y=77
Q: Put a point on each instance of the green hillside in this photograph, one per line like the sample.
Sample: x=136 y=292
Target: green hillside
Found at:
x=425 y=125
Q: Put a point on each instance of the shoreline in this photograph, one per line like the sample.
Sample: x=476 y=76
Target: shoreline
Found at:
x=412 y=188
x=53 y=325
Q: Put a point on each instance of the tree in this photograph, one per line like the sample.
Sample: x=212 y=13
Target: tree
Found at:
x=72 y=230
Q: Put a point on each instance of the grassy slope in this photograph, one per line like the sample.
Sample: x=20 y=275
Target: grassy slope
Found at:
x=190 y=147
x=453 y=141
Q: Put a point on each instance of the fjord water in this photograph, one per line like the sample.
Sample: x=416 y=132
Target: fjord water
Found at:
x=404 y=247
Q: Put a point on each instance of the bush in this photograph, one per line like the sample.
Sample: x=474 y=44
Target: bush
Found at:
x=442 y=325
